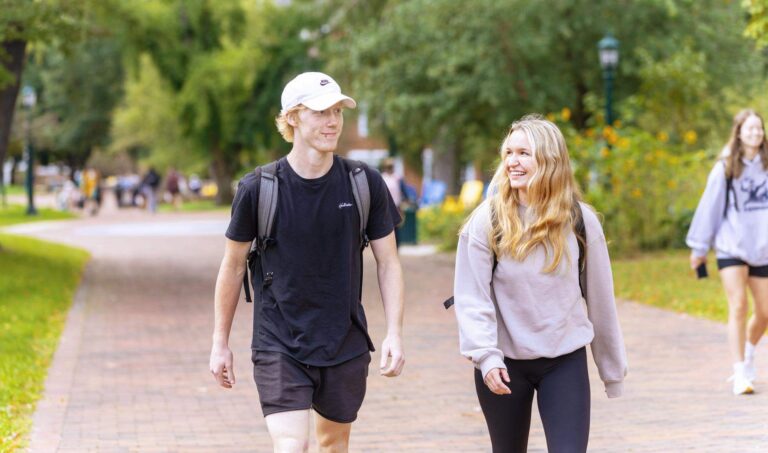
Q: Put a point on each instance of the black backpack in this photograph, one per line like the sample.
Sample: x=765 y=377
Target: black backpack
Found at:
x=581 y=239
x=728 y=189
x=267 y=206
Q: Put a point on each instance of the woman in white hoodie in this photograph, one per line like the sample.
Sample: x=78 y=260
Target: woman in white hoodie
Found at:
x=732 y=218
x=524 y=319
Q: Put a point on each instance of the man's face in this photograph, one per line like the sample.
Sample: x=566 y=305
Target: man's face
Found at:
x=319 y=130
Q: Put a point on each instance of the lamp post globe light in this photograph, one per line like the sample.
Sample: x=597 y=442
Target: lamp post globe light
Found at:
x=608 y=51
x=28 y=101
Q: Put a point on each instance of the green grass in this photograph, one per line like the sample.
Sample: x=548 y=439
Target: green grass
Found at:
x=37 y=285
x=18 y=214
x=194 y=206
x=664 y=279
x=14 y=190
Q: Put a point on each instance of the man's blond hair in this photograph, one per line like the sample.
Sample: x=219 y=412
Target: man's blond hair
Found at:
x=285 y=129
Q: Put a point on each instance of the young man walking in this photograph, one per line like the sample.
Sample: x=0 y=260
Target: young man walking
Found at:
x=310 y=347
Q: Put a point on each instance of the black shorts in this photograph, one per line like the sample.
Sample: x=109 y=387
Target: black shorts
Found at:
x=754 y=271
x=335 y=392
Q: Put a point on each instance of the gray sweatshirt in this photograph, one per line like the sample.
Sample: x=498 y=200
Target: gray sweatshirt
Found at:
x=743 y=232
x=522 y=313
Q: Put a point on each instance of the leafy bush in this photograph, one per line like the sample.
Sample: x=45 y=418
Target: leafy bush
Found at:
x=441 y=225
x=645 y=186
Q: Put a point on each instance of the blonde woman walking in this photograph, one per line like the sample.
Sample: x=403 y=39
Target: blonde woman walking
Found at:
x=524 y=317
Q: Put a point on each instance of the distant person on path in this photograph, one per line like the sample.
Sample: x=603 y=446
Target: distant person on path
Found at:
x=395 y=184
x=732 y=218
x=91 y=191
x=173 y=186
x=195 y=185
x=522 y=318
x=310 y=347
x=149 y=186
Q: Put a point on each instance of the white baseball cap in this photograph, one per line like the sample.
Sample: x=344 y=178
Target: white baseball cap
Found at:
x=315 y=90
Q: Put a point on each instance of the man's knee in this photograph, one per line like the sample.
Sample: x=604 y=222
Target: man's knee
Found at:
x=287 y=444
x=332 y=437
x=289 y=431
x=333 y=442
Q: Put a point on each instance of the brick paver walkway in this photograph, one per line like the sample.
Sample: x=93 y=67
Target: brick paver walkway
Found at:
x=131 y=373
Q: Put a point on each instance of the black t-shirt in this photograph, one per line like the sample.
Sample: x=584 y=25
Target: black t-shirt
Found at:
x=312 y=309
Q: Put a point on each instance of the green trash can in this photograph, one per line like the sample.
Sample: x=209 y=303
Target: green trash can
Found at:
x=407 y=231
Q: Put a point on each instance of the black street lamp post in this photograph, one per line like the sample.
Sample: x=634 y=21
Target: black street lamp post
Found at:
x=28 y=100
x=608 y=51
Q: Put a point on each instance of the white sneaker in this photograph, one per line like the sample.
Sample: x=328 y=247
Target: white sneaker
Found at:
x=749 y=371
x=741 y=385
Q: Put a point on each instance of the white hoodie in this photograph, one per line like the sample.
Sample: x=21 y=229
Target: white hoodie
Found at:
x=522 y=313
x=742 y=232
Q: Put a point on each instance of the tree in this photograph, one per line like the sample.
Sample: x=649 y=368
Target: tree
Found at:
x=78 y=91
x=146 y=119
x=434 y=74
x=58 y=22
x=223 y=62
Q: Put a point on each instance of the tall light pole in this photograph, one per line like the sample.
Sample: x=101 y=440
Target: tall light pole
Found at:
x=28 y=100
x=608 y=51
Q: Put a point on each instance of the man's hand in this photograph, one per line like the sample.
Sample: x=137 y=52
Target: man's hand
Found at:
x=495 y=381
x=221 y=366
x=392 y=348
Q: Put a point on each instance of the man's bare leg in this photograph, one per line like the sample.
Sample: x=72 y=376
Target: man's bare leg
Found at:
x=332 y=437
x=289 y=431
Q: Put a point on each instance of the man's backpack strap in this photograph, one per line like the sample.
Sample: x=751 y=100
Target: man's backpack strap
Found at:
x=267 y=206
x=362 y=193
x=267 y=202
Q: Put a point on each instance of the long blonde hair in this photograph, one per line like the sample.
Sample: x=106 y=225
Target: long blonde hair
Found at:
x=733 y=164
x=552 y=197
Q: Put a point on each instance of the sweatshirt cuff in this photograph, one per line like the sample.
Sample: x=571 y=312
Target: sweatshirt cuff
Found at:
x=614 y=389
x=490 y=362
x=700 y=253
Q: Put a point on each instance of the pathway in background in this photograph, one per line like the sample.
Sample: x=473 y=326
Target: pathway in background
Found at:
x=131 y=373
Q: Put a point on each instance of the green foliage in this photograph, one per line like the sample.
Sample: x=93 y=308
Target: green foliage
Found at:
x=432 y=73
x=198 y=48
x=757 y=28
x=147 y=120
x=664 y=280
x=77 y=93
x=646 y=187
x=441 y=226
x=14 y=214
x=59 y=22
x=37 y=285
x=223 y=65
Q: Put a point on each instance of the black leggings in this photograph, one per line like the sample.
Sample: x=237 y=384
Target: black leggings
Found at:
x=562 y=386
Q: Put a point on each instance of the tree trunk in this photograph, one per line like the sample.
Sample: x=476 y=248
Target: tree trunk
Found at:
x=223 y=173
x=580 y=115
x=446 y=164
x=16 y=51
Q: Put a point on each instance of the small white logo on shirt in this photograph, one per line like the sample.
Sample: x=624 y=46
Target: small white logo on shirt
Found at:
x=345 y=205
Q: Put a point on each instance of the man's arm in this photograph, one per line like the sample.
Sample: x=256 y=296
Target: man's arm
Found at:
x=391 y=286
x=227 y=293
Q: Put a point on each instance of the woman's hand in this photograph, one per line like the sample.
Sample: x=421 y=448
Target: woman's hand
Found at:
x=696 y=261
x=495 y=380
